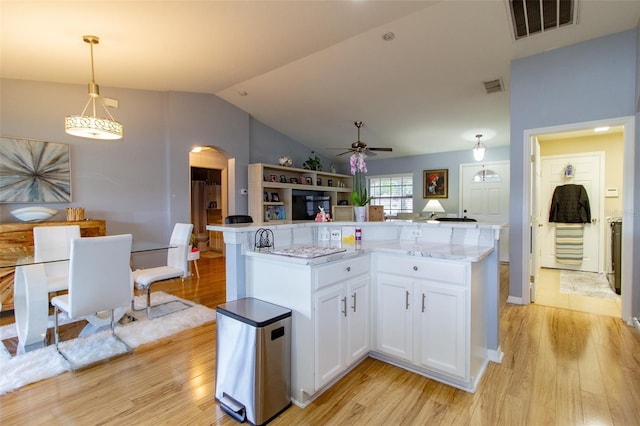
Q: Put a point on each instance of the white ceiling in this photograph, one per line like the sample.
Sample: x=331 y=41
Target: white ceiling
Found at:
x=309 y=68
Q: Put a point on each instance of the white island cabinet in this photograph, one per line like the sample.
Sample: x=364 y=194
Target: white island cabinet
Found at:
x=423 y=296
x=330 y=304
x=424 y=314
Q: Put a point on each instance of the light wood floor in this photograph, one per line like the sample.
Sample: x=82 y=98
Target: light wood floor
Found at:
x=561 y=367
x=548 y=294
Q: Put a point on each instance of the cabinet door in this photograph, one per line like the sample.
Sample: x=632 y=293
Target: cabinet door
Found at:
x=330 y=319
x=394 y=325
x=357 y=319
x=442 y=328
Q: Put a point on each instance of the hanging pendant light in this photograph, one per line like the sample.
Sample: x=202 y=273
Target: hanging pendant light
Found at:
x=479 y=149
x=92 y=126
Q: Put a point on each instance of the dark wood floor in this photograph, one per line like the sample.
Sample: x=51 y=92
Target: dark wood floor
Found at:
x=560 y=368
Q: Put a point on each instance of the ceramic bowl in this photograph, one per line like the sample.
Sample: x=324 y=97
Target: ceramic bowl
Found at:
x=33 y=214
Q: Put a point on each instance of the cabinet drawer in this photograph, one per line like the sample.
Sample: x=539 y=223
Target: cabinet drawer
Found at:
x=340 y=270
x=416 y=267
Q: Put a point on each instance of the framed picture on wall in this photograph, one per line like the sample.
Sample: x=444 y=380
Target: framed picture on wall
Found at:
x=34 y=171
x=436 y=183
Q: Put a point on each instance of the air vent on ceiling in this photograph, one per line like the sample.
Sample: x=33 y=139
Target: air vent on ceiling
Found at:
x=493 y=86
x=530 y=17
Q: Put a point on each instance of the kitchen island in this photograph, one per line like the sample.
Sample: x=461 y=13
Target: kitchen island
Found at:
x=423 y=296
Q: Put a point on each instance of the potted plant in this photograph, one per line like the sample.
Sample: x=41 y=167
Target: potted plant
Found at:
x=359 y=196
x=312 y=163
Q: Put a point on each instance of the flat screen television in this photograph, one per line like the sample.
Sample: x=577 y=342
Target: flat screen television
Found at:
x=306 y=206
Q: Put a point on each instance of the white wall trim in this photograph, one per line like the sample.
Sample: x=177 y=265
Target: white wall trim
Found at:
x=516 y=300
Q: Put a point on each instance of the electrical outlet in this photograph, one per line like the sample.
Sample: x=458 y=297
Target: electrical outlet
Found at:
x=416 y=233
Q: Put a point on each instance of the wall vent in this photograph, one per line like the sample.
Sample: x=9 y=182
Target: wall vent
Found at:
x=529 y=17
x=493 y=86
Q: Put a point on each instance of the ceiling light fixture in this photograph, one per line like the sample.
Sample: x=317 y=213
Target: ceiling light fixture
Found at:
x=479 y=149
x=92 y=126
x=601 y=129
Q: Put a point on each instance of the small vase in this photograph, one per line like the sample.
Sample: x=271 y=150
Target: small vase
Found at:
x=360 y=213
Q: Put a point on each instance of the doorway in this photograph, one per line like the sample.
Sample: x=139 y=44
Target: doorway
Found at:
x=209 y=197
x=567 y=144
x=484 y=196
x=206 y=199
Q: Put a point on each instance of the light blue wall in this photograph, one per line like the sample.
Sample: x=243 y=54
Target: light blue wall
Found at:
x=268 y=145
x=203 y=119
x=140 y=184
x=445 y=160
x=589 y=81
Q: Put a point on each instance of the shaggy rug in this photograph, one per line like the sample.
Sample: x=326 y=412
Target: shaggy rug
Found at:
x=586 y=284
x=178 y=315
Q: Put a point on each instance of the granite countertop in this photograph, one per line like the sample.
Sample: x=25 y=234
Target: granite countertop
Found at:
x=328 y=253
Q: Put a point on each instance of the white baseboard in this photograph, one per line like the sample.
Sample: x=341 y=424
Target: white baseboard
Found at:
x=515 y=300
x=636 y=324
x=496 y=356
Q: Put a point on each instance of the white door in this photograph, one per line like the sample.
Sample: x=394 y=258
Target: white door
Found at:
x=442 y=327
x=329 y=330
x=357 y=319
x=587 y=172
x=394 y=327
x=534 y=224
x=484 y=188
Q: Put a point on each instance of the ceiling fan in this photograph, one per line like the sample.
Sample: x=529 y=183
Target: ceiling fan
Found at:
x=360 y=146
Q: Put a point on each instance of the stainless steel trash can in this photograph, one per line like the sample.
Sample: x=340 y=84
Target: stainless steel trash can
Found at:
x=253 y=359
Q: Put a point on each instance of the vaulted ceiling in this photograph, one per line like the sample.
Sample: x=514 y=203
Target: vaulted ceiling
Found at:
x=308 y=69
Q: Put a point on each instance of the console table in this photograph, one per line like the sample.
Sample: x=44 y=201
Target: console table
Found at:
x=16 y=240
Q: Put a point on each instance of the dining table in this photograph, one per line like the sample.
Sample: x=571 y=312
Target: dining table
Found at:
x=31 y=297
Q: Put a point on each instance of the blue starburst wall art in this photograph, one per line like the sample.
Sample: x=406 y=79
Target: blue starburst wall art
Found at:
x=34 y=171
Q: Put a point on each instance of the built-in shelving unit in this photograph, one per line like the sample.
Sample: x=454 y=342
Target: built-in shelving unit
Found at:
x=271 y=190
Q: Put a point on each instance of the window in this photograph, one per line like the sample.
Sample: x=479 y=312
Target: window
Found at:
x=486 y=175
x=393 y=192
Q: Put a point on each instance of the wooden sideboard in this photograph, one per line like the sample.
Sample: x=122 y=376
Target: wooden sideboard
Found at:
x=16 y=241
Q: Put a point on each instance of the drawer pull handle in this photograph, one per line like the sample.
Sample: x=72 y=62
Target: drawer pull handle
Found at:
x=344 y=304
x=423 y=300
x=354 y=301
x=415 y=268
x=407 y=300
x=348 y=268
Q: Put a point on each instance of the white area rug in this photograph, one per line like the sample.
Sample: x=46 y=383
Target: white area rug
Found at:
x=46 y=362
x=586 y=284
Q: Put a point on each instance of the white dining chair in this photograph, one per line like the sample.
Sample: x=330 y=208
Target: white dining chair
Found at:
x=177 y=264
x=52 y=243
x=100 y=279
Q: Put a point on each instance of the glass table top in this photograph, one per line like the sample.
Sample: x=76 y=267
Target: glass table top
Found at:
x=10 y=259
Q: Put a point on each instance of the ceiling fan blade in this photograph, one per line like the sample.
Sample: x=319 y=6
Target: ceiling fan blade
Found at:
x=343 y=153
x=381 y=149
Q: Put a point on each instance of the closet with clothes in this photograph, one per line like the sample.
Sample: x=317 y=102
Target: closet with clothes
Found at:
x=570 y=210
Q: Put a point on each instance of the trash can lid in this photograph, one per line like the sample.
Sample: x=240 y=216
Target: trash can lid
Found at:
x=255 y=312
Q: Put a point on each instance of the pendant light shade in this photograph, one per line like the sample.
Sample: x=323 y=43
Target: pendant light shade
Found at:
x=93 y=126
x=479 y=149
